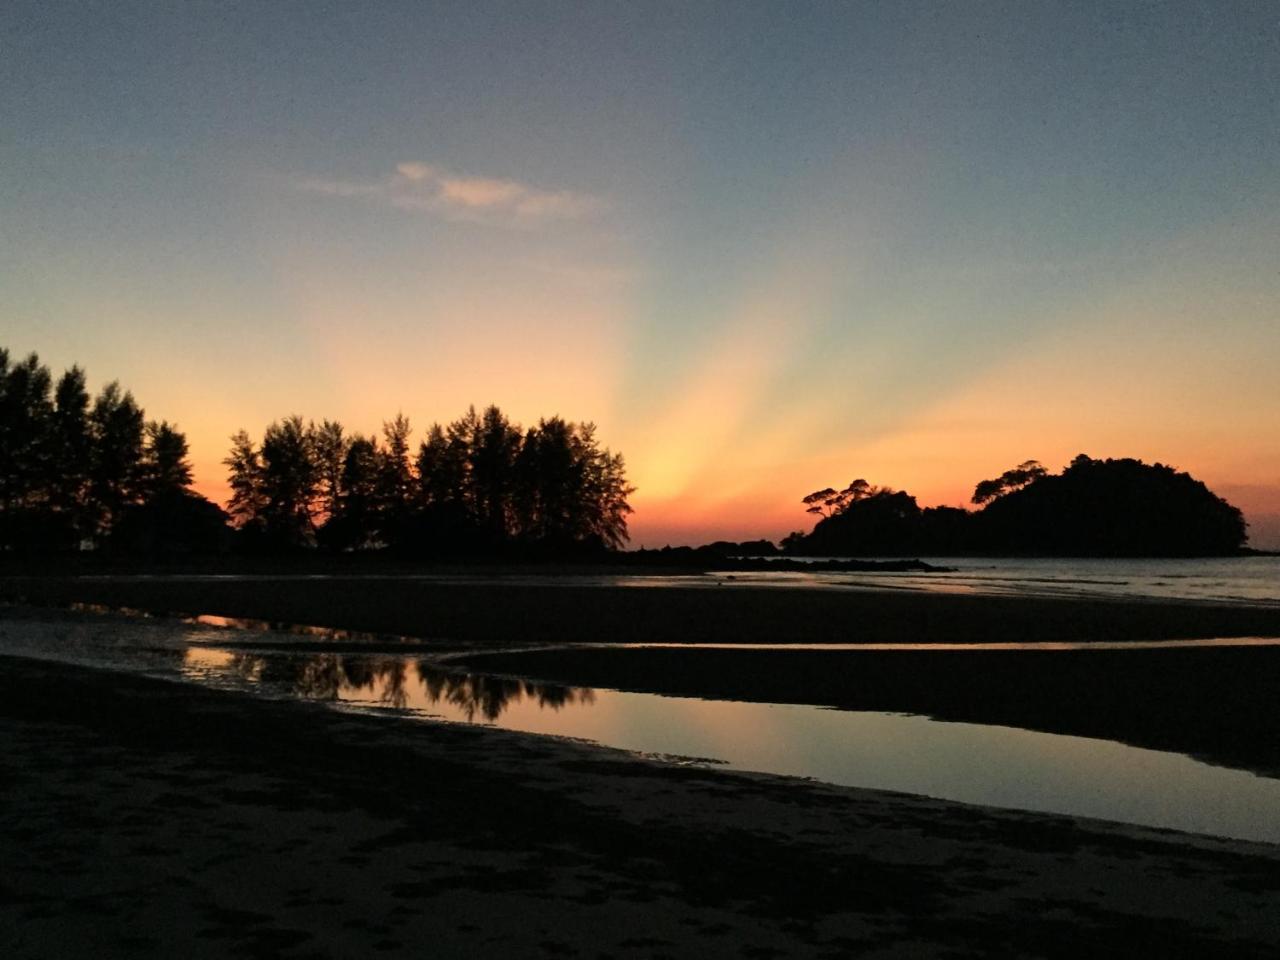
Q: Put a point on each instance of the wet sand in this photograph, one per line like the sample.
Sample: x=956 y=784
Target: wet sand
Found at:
x=560 y=611
x=155 y=819
x=147 y=818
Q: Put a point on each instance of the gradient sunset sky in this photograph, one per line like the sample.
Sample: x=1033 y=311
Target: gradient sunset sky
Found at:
x=766 y=247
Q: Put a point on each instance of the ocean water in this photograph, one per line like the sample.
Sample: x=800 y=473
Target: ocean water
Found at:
x=1250 y=580
x=1231 y=580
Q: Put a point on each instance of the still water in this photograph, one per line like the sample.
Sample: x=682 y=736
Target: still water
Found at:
x=973 y=763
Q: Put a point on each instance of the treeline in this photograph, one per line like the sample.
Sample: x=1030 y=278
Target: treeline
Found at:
x=80 y=473
x=1096 y=508
x=480 y=485
x=77 y=473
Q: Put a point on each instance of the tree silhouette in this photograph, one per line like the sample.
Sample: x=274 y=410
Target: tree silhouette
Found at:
x=25 y=411
x=1110 y=507
x=605 y=507
x=330 y=444
x=429 y=466
x=479 y=485
x=75 y=474
x=248 y=501
x=353 y=521
x=394 y=481
x=1093 y=508
x=169 y=518
x=549 y=482
x=494 y=446
x=290 y=482
x=828 y=501
x=69 y=453
x=165 y=467
x=1024 y=473
x=116 y=471
x=822 y=502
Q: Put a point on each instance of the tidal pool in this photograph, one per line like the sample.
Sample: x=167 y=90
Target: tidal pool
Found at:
x=969 y=762
x=974 y=763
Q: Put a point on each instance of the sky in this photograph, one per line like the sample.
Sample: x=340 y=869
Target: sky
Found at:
x=765 y=247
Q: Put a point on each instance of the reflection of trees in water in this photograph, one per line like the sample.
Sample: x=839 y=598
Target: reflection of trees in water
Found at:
x=330 y=676
x=327 y=676
x=489 y=696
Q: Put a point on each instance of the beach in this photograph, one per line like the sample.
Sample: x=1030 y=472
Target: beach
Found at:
x=153 y=818
x=502 y=610
x=144 y=818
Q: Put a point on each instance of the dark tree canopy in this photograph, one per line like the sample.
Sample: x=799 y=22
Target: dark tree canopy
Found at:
x=478 y=485
x=1114 y=508
x=76 y=474
x=1093 y=508
x=1024 y=473
x=879 y=523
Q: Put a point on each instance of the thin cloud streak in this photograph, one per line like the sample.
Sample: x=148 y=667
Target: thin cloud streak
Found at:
x=421 y=187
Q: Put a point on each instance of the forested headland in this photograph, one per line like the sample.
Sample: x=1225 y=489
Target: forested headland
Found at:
x=1093 y=508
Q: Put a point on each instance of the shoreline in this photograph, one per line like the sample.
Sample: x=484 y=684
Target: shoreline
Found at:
x=1217 y=705
x=493 y=612
x=156 y=818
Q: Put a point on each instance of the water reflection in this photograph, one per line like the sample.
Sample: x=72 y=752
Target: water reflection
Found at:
x=985 y=760
x=393 y=682
x=971 y=762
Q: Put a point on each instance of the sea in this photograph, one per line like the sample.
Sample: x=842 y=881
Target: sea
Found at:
x=1247 y=579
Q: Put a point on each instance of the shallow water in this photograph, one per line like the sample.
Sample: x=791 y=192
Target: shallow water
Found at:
x=998 y=766
x=1232 y=580
x=989 y=765
x=1252 y=580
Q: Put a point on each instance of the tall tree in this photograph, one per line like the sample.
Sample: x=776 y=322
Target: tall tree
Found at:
x=116 y=429
x=330 y=445
x=436 y=485
x=395 y=479
x=248 y=502
x=606 y=506
x=462 y=437
x=494 y=447
x=569 y=488
x=290 y=481
x=25 y=410
x=70 y=445
x=165 y=467
x=550 y=482
x=354 y=520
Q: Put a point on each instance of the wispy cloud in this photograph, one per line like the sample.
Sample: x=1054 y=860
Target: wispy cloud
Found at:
x=430 y=189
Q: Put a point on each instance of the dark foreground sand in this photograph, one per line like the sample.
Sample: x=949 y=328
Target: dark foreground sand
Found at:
x=146 y=818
